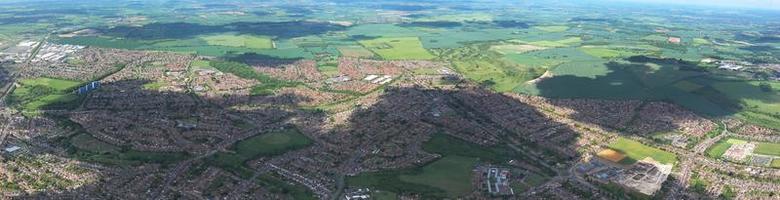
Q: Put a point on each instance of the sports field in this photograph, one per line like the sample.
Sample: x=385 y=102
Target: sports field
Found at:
x=718 y=149
x=766 y=148
x=398 y=48
x=637 y=151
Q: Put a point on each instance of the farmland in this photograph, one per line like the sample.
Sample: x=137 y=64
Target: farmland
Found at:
x=398 y=48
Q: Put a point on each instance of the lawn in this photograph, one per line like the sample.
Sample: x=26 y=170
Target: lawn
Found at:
x=718 y=149
x=245 y=41
x=398 y=48
x=765 y=148
x=450 y=173
x=637 y=151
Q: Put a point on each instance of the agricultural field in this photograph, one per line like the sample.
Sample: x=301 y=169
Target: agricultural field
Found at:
x=398 y=48
x=245 y=41
x=355 y=52
x=635 y=151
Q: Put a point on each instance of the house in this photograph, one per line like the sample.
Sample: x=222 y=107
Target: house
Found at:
x=674 y=40
x=12 y=149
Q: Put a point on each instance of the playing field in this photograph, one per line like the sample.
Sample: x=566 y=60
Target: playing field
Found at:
x=451 y=173
x=718 y=149
x=765 y=148
x=398 y=48
x=637 y=151
x=245 y=41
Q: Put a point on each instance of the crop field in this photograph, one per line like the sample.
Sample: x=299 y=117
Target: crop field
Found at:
x=605 y=53
x=398 y=48
x=766 y=148
x=355 y=52
x=553 y=29
x=637 y=151
x=557 y=43
x=246 y=41
x=515 y=48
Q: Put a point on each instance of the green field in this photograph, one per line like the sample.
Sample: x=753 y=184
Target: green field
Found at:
x=552 y=28
x=87 y=148
x=276 y=185
x=775 y=163
x=718 y=149
x=398 y=48
x=606 y=53
x=765 y=148
x=450 y=173
x=245 y=41
x=355 y=52
x=268 y=144
x=42 y=93
x=636 y=151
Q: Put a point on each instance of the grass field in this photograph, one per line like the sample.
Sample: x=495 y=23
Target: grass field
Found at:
x=765 y=148
x=775 y=163
x=451 y=174
x=276 y=185
x=398 y=48
x=557 y=43
x=88 y=148
x=515 y=48
x=245 y=41
x=718 y=149
x=268 y=144
x=89 y=143
x=637 y=151
x=39 y=93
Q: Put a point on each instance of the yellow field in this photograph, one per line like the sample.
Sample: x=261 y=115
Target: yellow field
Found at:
x=611 y=155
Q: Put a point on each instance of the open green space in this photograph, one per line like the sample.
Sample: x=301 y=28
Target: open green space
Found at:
x=636 y=151
x=606 y=53
x=398 y=48
x=719 y=148
x=267 y=144
x=87 y=148
x=766 y=148
x=775 y=163
x=276 y=185
x=448 y=177
x=552 y=28
x=355 y=52
x=44 y=93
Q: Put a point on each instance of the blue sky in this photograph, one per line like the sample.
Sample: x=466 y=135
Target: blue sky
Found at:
x=764 y=4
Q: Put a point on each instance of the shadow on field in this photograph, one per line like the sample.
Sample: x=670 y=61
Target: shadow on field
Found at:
x=654 y=79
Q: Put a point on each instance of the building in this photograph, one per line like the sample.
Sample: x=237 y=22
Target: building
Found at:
x=357 y=194
x=12 y=149
x=94 y=85
x=674 y=40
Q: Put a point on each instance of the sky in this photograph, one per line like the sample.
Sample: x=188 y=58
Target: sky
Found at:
x=764 y=4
